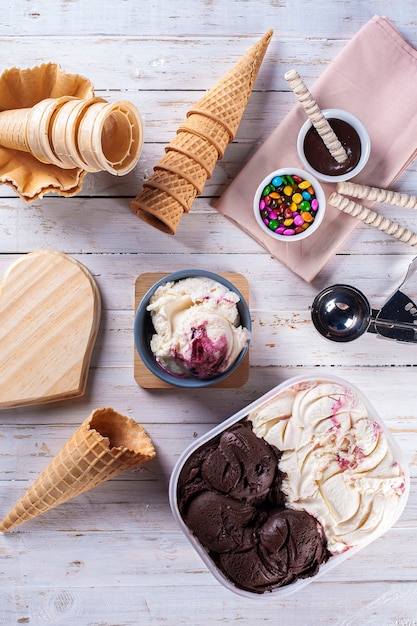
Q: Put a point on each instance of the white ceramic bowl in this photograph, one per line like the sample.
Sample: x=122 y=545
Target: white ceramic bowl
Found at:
x=336 y=559
x=319 y=193
x=365 y=140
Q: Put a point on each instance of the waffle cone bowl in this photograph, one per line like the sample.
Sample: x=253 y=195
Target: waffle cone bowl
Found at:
x=48 y=142
x=202 y=139
x=106 y=444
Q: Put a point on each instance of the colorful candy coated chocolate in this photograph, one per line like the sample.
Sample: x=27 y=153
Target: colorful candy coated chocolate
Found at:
x=288 y=204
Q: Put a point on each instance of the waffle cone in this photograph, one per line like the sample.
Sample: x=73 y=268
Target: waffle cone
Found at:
x=105 y=445
x=208 y=129
x=225 y=102
x=158 y=208
x=195 y=147
x=173 y=185
x=213 y=121
x=184 y=166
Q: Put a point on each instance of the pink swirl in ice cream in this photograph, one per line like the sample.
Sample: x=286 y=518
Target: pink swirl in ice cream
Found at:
x=338 y=463
x=197 y=327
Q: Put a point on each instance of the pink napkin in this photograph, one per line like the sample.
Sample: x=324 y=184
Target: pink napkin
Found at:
x=374 y=77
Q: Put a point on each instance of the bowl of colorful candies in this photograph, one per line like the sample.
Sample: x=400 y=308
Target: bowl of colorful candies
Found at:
x=289 y=204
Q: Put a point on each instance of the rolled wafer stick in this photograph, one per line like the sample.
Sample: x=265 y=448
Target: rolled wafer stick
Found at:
x=375 y=194
x=373 y=219
x=316 y=117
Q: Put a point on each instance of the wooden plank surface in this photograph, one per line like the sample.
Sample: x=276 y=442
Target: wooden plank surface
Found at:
x=114 y=556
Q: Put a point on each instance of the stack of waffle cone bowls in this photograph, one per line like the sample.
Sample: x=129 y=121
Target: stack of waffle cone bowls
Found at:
x=50 y=140
x=201 y=140
x=71 y=132
x=23 y=89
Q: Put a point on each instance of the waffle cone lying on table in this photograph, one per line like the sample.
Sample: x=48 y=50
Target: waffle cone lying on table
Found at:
x=201 y=140
x=105 y=445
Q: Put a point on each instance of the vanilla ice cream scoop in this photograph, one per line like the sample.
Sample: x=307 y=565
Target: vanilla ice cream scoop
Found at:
x=338 y=463
x=197 y=331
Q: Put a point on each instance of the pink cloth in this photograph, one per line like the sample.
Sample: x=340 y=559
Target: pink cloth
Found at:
x=374 y=77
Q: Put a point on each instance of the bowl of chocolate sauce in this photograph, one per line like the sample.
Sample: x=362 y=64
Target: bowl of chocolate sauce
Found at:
x=353 y=136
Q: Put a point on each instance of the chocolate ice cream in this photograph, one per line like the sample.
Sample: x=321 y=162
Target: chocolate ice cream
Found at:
x=229 y=495
x=287 y=546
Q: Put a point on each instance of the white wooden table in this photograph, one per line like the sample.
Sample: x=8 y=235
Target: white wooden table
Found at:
x=114 y=555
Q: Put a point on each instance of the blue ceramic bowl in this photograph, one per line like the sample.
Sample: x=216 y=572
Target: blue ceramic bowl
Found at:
x=144 y=330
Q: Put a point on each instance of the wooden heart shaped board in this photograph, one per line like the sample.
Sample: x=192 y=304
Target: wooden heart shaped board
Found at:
x=49 y=318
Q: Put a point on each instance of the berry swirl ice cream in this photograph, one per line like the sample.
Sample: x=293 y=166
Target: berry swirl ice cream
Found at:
x=197 y=331
x=337 y=461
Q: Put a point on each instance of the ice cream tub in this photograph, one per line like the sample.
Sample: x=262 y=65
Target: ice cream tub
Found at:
x=290 y=486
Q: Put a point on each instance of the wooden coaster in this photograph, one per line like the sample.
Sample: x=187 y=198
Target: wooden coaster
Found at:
x=145 y=378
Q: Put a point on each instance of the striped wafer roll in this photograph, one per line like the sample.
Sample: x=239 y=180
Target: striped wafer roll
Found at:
x=375 y=194
x=316 y=117
x=373 y=219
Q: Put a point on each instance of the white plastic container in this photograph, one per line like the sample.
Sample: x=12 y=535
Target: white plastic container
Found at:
x=334 y=560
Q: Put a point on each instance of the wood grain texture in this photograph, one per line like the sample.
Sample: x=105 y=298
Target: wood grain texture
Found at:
x=49 y=318
x=114 y=556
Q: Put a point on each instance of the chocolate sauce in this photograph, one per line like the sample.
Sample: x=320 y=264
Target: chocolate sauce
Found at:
x=320 y=158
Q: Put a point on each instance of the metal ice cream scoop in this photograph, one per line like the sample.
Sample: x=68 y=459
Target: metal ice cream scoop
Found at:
x=342 y=313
